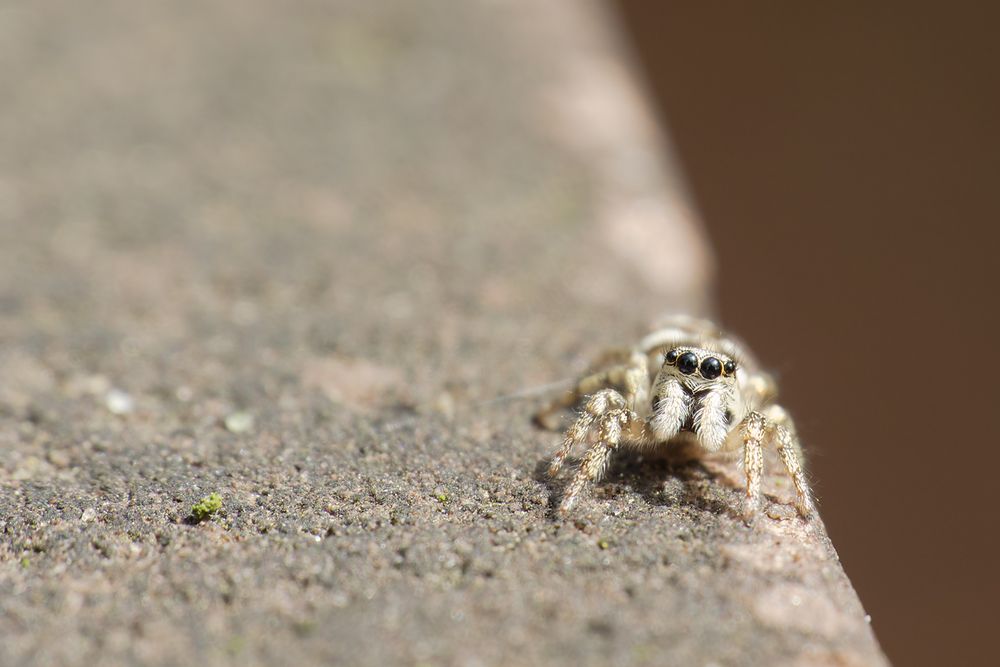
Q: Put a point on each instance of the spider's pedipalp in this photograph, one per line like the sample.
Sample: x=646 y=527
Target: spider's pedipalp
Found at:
x=671 y=406
x=711 y=422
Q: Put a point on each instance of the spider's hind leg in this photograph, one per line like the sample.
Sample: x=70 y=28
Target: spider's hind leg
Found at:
x=628 y=373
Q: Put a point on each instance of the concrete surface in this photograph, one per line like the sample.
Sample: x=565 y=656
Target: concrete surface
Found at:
x=293 y=254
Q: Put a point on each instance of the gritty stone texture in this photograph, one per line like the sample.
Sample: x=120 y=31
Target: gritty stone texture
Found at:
x=291 y=253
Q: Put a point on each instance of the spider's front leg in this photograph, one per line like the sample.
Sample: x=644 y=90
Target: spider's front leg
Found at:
x=617 y=427
x=756 y=429
x=601 y=404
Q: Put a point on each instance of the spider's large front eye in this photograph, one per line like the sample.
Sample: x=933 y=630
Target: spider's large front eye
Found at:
x=711 y=368
x=687 y=363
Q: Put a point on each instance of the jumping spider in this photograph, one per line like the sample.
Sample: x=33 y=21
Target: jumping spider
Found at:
x=686 y=379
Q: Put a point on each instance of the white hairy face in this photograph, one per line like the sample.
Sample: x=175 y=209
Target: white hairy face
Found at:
x=696 y=390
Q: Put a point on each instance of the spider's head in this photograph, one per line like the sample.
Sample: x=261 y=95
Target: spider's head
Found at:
x=697 y=366
x=695 y=391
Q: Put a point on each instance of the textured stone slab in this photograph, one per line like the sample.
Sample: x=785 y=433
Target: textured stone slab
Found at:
x=292 y=254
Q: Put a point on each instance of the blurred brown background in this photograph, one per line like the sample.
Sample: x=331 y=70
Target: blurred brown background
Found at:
x=845 y=158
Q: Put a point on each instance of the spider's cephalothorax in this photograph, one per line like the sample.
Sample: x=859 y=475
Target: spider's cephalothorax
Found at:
x=685 y=377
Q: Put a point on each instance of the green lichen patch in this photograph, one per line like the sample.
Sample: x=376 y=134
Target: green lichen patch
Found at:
x=206 y=507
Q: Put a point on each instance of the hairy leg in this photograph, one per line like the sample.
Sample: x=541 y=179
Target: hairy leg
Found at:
x=790 y=455
x=617 y=427
x=599 y=405
x=754 y=430
x=790 y=451
x=630 y=376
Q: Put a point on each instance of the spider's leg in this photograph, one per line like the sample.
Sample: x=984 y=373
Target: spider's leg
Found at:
x=617 y=428
x=595 y=461
x=630 y=376
x=754 y=430
x=597 y=407
x=790 y=451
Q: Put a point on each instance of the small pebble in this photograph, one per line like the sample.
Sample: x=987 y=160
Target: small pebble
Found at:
x=58 y=458
x=88 y=515
x=27 y=469
x=119 y=402
x=239 y=422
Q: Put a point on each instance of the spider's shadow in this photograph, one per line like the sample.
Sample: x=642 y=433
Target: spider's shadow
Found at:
x=673 y=478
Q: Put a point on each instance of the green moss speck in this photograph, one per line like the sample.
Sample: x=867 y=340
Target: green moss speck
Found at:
x=235 y=645
x=441 y=497
x=25 y=562
x=206 y=507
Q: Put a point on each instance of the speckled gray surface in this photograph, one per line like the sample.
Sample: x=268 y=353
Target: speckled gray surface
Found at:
x=291 y=255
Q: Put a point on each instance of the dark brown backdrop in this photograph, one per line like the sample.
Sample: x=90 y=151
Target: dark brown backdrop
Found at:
x=846 y=161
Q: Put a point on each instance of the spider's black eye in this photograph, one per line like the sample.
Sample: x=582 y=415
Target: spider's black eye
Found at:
x=671 y=356
x=730 y=367
x=711 y=368
x=687 y=363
